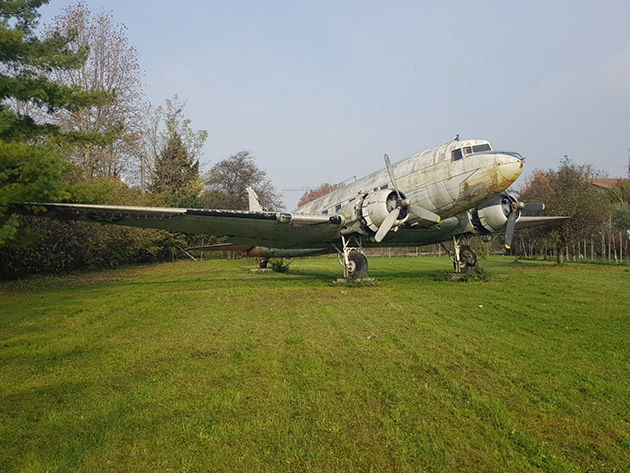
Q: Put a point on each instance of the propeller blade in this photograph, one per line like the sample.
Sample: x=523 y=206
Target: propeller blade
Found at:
x=388 y=165
x=509 y=229
x=387 y=225
x=533 y=207
x=423 y=213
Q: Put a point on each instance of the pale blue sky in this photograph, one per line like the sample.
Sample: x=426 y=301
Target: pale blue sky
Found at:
x=318 y=91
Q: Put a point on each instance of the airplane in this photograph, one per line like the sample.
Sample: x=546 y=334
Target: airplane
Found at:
x=450 y=192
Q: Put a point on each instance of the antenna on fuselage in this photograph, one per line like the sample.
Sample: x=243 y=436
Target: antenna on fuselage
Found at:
x=457 y=137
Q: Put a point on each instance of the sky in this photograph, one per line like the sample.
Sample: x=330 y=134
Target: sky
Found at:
x=319 y=90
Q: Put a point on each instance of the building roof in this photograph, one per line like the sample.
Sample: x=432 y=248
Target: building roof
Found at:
x=604 y=182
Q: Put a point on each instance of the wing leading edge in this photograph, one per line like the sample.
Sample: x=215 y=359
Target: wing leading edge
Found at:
x=529 y=222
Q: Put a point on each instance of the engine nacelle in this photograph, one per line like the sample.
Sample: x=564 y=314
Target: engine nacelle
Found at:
x=492 y=216
x=377 y=205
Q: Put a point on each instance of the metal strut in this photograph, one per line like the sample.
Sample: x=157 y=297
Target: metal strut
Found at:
x=457 y=260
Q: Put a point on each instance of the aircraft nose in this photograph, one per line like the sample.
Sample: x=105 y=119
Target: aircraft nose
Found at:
x=510 y=165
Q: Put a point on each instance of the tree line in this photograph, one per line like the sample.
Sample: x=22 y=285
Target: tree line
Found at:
x=75 y=127
x=599 y=227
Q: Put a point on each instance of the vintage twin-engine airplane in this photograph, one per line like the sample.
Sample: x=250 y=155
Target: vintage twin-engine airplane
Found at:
x=445 y=193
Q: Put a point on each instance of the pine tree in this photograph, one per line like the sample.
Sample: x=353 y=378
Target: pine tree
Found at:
x=176 y=147
x=30 y=168
x=176 y=171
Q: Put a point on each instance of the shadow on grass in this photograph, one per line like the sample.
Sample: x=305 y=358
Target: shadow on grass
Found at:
x=239 y=273
x=379 y=274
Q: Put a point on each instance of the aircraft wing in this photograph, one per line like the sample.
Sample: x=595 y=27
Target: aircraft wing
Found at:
x=279 y=230
x=528 y=222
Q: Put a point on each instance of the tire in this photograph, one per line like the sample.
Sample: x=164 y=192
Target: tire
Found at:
x=358 y=267
x=469 y=258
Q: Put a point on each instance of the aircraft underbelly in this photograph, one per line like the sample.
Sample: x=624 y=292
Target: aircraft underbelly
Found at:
x=238 y=231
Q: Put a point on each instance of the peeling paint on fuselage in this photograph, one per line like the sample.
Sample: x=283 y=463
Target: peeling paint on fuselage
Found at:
x=432 y=180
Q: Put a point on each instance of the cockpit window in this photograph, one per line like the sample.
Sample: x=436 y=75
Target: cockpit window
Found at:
x=459 y=153
x=481 y=148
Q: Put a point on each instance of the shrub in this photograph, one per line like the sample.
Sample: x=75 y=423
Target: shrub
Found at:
x=279 y=265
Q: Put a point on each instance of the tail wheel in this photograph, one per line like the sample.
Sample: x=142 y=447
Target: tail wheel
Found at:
x=357 y=265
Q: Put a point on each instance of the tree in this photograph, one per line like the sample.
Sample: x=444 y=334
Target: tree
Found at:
x=621 y=191
x=621 y=216
x=566 y=191
x=176 y=164
x=112 y=65
x=227 y=182
x=318 y=192
x=30 y=168
x=176 y=172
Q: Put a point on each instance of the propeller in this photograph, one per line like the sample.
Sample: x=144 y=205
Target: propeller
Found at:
x=515 y=211
x=387 y=225
x=401 y=204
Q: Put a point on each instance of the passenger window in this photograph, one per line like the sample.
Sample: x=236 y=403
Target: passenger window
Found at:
x=337 y=207
x=325 y=212
x=384 y=187
x=457 y=154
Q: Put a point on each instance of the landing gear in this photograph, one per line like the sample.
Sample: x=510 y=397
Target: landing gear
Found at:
x=354 y=262
x=262 y=264
x=463 y=257
x=357 y=265
x=468 y=259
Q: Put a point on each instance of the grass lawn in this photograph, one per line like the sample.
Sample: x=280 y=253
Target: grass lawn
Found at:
x=196 y=367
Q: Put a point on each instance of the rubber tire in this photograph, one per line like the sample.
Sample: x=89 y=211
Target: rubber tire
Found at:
x=469 y=258
x=358 y=265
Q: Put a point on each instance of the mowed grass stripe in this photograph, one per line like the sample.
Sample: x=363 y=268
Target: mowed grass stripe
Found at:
x=209 y=367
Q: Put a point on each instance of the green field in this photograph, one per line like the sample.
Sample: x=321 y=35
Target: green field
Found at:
x=195 y=367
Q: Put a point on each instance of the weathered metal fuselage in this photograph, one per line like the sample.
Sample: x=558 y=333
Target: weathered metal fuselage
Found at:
x=447 y=180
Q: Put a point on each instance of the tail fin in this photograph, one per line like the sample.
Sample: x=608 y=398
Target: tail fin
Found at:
x=254 y=205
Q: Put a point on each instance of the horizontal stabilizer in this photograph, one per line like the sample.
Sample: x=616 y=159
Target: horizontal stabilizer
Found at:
x=528 y=222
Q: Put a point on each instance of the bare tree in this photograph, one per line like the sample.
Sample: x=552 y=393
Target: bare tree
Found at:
x=227 y=182
x=112 y=65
